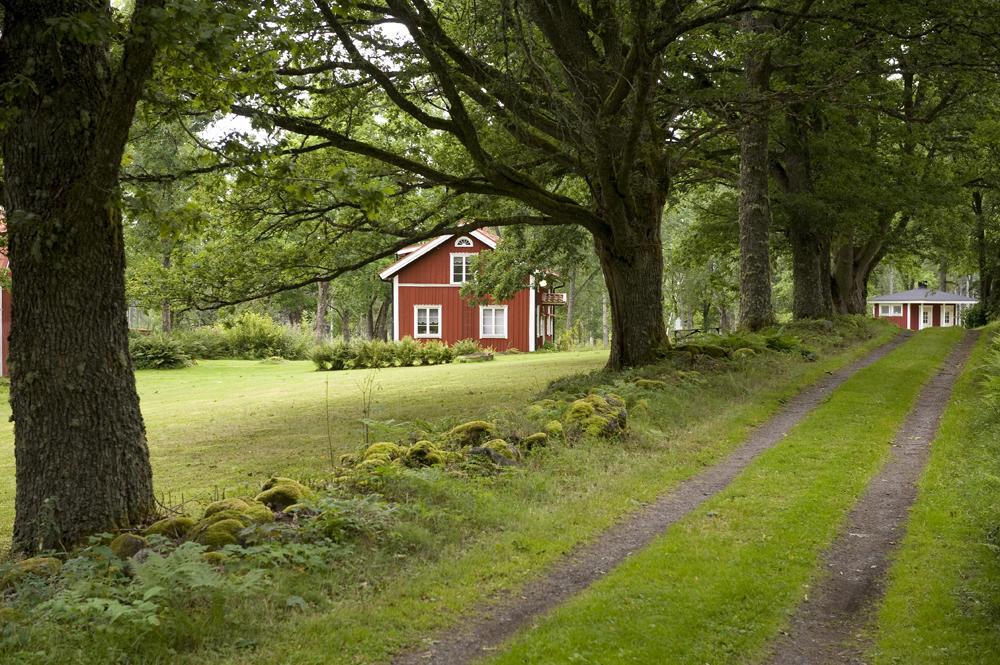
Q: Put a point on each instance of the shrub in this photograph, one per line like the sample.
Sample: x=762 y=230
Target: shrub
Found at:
x=975 y=316
x=156 y=352
x=203 y=343
x=466 y=347
x=409 y=352
x=254 y=336
x=332 y=356
x=437 y=353
x=373 y=354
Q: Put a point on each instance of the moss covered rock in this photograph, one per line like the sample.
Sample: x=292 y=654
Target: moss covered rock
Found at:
x=470 y=433
x=214 y=558
x=744 y=352
x=384 y=449
x=534 y=440
x=171 y=527
x=554 y=429
x=597 y=415
x=239 y=505
x=279 y=493
x=650 y=384
x=425 y=453
x=501 y=447
x=126 y=545
x=39 y=566
x=221 y=533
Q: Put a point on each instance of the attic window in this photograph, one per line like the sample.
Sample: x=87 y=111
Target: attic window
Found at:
x=463 y=242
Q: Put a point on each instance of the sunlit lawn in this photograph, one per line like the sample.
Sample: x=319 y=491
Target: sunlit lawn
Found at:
x=228 y=423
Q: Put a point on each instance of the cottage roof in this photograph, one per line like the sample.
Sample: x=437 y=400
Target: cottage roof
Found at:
x=411 y=253
x=924 y=295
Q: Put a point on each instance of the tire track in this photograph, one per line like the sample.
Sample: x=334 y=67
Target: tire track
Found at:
x=495 y=621
x=828 y=627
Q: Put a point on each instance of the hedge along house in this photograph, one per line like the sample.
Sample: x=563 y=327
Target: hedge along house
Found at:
x=921 y=308
x=427 y=303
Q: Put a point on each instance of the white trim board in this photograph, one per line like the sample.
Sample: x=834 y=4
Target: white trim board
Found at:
x=427 y=247
x=531 y=313
x=395 y=308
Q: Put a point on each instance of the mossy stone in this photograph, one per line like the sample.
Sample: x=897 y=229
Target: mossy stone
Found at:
x=126 y=545
x=554 y=429
x=470 y=433
x=221 y=533
x=384 y=449
x=535 y=440
x=40 y=566
x=650 y=384
x=425 y=453
x=239 y=505
x=279 y=493
x=597 y=415
x=744 y=352
x=502 y=447
x=214 y=558
x=171 y=527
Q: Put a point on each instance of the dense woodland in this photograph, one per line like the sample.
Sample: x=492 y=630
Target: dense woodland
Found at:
x=696 y=164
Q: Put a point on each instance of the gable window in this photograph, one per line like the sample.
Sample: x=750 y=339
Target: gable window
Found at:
x=493 y=321
x=427 y=321
x=890 y=310
x=463 y=242
x=460 y=268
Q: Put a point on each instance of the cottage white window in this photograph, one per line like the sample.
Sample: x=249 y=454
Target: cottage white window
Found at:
x=926 y=317
x=947 y=316
x=460 y=268
x=493 y=321
x=463 y=242
x=890 y=310
x=427 y=321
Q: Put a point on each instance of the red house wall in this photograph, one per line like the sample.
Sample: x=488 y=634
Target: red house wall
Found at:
x=900 y=321
x=459 y=320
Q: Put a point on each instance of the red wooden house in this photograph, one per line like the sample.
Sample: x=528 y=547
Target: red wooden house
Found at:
x=427 y=304
x=921 y=308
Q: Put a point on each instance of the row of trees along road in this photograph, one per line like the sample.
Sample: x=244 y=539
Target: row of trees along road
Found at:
x=379 y=124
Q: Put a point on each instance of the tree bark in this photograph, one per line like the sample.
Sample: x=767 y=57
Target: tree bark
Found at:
x=381 y=329
x=605 y=328
x=345 y=324
x=633 y=273
x=756 y=311
x=570 y=297
x=322 y=306
x=82 y=463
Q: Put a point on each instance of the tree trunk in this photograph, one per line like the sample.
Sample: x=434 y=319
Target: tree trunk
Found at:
x=381 y=329
x=604 y=320
x=755 y=207
x=322 y=306
x=345 y=324
x=82 y=464
x=166 y=311
x=809 y=281
x=981 y=249
x=570 y=297
x=633 y=273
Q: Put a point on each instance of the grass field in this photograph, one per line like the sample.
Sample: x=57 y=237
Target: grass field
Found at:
x=718 y=585
x=943 y=597
x=231 y=423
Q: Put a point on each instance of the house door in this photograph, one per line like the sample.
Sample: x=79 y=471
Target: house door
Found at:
x=926 y=316
x=469 y=315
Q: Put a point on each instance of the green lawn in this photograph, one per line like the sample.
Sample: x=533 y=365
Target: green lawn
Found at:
x=719 y=584
x=230 y=423
x=943 y=598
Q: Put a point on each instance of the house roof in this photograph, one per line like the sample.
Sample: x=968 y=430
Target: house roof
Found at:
x=411 y=253
x=924 y=295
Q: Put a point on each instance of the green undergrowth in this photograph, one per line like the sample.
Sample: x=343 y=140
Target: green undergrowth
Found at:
x=942 y=602
x=385 y=554
x=720 y=583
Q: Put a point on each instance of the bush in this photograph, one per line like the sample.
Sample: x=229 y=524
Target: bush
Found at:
x=409 y=352
x=976 y=316
x=466 y=347
x=437 y=353
x=332 y=356
x=255 y=336
x=373 y=354
x=156 y=352
x=203 y=343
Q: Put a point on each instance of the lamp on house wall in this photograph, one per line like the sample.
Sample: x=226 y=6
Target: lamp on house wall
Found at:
x=543 y=283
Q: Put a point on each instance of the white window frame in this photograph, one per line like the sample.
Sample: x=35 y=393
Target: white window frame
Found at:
x=464 y=241
x=945 y=315
x=482 y=322
x=925 y=316
x=416 y=322
x=451 y=266
x=890 y=310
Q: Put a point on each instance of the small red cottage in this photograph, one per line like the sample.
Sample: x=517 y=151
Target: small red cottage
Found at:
x=426 y=303
x=921 y=308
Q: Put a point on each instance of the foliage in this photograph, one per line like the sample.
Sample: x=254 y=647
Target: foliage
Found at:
x=975 y=316
x=375 y=354
x=157 y=352
x=250 y=335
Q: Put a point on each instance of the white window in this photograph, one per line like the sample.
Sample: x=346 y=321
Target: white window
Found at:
x=427 y=321
x=947 y=315
x=463 y=242
x=926 y=316
x=460 y=264
x=890 y=310
x=493 y=321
